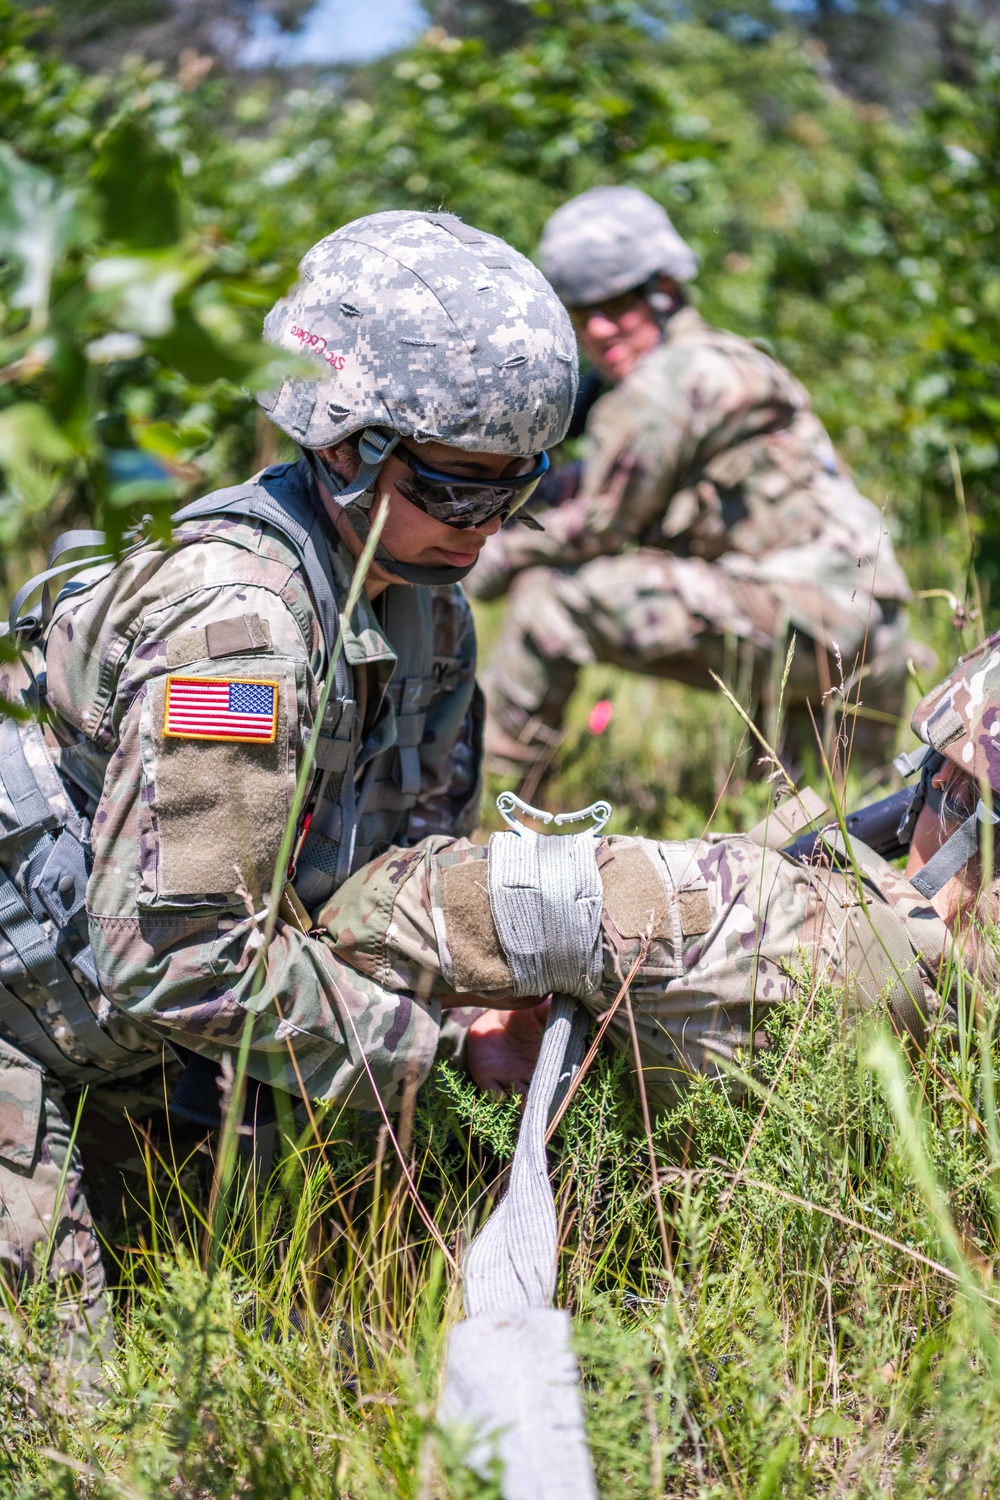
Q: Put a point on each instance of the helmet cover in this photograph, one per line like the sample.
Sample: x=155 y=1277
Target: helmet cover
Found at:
x=609 y=240
x=961 y=716
x=429 y=327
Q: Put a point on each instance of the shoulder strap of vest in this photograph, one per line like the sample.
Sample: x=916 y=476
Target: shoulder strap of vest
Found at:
x=410 y=626
x=27 y=626
x=281 y=498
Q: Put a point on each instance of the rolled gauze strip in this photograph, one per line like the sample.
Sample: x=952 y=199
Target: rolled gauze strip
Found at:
x=511 y=1386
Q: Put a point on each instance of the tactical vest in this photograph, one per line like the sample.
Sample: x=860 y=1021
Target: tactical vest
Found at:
x=51 y=1006
x=365 y=798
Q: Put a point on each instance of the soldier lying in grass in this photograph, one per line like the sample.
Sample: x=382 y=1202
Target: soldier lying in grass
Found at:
x=719 y=930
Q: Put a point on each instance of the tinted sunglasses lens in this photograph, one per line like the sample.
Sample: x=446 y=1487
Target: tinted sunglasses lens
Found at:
x=465 y=505
x=461 y=508
x=613 y=309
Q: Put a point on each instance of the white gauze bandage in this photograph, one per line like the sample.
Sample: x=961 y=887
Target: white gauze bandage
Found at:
x=546 y=899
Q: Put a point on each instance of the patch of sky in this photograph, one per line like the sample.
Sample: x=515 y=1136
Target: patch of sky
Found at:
x=336 y=31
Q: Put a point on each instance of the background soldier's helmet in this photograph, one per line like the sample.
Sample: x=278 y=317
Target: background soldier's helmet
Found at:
x=961 y=716
x=610 y=240
x=421 y=324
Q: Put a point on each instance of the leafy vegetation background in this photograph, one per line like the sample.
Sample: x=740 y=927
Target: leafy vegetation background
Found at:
x=821 y=1318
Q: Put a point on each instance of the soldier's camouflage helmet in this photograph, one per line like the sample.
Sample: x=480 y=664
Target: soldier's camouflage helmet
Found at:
x=609 y=240
x=961 y=716
x=424 y=325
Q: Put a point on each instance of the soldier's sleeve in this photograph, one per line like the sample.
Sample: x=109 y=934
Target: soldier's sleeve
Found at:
x=725 y=917
x=593 y=525
x=712 y=937
x=648 y=438
x=451 y=753
x=211 y=710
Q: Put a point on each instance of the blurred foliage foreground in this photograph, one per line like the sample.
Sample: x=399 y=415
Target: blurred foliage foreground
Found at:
x=821 y=1315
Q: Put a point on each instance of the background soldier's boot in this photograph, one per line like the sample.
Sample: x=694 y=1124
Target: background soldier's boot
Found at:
x=530 y=678
x=526 y=697
x=524 y=758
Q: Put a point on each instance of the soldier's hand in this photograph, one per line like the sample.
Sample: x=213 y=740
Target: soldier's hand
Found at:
x=502 y=1048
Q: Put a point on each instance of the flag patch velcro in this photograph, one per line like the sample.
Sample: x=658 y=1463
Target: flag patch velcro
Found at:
x=221 y=708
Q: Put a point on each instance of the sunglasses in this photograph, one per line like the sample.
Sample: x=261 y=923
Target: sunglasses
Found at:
x=464 y=503
x=612 y=308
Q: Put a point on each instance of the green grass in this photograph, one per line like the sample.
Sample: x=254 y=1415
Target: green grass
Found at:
x=825 y=1323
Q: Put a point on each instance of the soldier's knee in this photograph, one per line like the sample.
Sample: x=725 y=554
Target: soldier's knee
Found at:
x=46 y=1228
x=46 y=1231
x=533 y=583
x=536 y=597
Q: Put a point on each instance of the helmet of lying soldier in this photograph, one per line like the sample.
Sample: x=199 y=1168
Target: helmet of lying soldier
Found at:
x=611 y=240
x=424 y=330
x=960 y=717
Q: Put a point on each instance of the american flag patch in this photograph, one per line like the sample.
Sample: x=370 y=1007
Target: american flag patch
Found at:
x=221 y=708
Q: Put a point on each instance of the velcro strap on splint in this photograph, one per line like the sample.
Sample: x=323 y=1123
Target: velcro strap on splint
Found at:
x=786 y=821
x=546 y=898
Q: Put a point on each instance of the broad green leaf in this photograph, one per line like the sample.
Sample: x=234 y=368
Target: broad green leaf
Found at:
x=40 y=219
x=34 y=452
x=137 y=292
x=136 y=181
x=136 y=478
x=28 y=435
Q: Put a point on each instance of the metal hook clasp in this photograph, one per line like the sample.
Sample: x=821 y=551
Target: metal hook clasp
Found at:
x=509 y=804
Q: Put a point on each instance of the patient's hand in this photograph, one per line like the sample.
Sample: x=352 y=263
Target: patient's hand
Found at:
x=502 y=1048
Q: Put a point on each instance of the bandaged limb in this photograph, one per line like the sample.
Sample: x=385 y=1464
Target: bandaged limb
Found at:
x=720 y=932
x=442 y=919
x=445 y=918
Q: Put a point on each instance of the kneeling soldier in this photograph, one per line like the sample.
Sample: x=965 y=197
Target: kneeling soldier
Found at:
x=713 y=518
x=140 y=828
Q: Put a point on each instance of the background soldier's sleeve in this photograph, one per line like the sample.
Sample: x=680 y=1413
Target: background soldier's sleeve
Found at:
x=648 y=436
x=186 y=839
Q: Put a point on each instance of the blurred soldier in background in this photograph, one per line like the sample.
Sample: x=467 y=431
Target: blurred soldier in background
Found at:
x=713 y=516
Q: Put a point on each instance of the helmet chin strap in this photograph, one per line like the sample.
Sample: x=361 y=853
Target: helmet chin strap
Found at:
x=357 y=497
x=963 y=845
x=661 y=304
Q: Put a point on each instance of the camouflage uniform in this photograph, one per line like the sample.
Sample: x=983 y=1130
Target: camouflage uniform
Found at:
x=723 y=927
x=46 y=1228
x=187 y=831
x=434 y=331
x=185 y=836
x=713 y=518
x=730 y=929
x=713 y=514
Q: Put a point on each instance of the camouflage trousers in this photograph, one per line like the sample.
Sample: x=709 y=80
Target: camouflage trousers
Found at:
x=57 y=1161
x=681 y=618
x=46 y=1229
